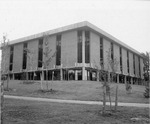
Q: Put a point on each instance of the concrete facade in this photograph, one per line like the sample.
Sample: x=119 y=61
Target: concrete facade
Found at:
x=70 y=69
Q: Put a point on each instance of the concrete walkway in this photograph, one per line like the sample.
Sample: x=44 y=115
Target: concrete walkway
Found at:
x=76 y=101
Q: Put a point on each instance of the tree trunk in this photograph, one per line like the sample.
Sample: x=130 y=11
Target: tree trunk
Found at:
x=2 y=101
x=52 y=79
x=26 y=76
x=110 y=101
x=116 y=98
x=104 y=99
x=8 y=82
x=47 y=79
x=42 y=80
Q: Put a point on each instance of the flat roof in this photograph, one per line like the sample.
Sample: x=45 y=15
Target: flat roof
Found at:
x=73 y=27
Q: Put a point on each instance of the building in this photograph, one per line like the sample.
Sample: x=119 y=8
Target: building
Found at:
x=76 y=52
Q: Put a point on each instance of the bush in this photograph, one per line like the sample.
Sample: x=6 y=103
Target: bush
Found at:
x=147 y=91
x=128 y=87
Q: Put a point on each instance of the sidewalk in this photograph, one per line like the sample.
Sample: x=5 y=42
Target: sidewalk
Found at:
x=77 y=101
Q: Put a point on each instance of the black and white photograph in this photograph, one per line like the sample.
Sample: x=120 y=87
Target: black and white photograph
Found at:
x=74 y=62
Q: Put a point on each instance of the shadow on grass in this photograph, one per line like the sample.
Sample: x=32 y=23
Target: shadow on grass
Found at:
x=28 y=82
x=50 y=91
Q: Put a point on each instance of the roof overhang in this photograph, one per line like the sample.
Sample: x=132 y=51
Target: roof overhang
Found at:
x=80 y=25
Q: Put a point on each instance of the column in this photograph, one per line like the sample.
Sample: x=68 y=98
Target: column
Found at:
x=109 y=77
x=76 y=75
x=131 y=80
x=61 y=74
x=125 y=79
x=83 y=55
x=118 y=78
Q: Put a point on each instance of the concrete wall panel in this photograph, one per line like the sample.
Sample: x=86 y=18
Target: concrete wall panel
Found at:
x=69 y=49
x=33 y=62
x=106 y=48
x=142 y=66
x=5 y=60
x=131 y=64
x=136 y=66
x=124 y=61
x=95 y=50
x=18 y=57
x=117 y=56
x=50 y=44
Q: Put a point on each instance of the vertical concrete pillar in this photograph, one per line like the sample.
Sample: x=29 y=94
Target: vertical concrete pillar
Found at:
x=118 y=78
x=83 y=55
x=61 y=74
x=42 y=76
x=125 y=79
x=131 y=80
x=108 y=76
x=76 y=75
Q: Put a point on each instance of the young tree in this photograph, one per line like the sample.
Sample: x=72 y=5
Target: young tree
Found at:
x=146 y=62
x=48 y=56
x=113 y=67
x=4 y=70
x=105 y=84
x=146 y=74
x=31 y=61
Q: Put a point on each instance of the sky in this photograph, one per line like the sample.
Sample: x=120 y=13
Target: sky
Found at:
x=128 y=21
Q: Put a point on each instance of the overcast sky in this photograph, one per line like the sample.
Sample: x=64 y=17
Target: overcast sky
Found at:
x=128 y=21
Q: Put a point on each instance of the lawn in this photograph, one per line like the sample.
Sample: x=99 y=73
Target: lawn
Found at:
x=76 y=90
x=31 y=112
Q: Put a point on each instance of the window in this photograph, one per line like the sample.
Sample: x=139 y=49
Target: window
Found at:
x=58 y=49
x=139 y=68
x=11 y=58
x=121 y=60
x=101 y=52
x=40 y=53
x=134 y=63
x=87 y=47
x=128 y=62
x=112 y=51
x=79 y=46
x=24 y=56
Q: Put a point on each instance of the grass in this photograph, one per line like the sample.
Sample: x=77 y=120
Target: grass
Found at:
x=31 y=112
x=76 y=90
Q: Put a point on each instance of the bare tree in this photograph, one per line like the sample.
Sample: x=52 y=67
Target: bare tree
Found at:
x=4 y=70
x=146 y=74
x=105 y=84
x=113 y=67
x=48 y=56
x=31 y=61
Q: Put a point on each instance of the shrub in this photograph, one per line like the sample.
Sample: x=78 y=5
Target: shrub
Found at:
x=147 y=91
x=128 y=87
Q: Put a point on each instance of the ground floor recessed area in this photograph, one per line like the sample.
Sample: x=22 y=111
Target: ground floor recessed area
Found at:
x=90 y=74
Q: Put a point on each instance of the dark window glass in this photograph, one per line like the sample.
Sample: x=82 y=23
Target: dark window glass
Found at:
x=139 y=68
x=58 y=49
x=87 y=47
x=24 y=56
x=79 y=46
x=101 y=52
x=40 y=53
x=134 y=63
x=11 y=58
x=121 y=60
x=128 y=62
x=112 y=51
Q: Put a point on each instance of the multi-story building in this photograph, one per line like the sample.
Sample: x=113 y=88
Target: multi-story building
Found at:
x=75 y=52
